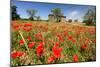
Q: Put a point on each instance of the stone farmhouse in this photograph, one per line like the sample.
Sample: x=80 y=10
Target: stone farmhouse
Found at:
x=52 y=19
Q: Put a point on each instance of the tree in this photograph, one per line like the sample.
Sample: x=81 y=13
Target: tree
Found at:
x=90 y=17
x=70 y=20
x=31 y=13
x=57 y=13
x=15 y=16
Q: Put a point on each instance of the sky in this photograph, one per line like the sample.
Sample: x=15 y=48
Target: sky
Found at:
x=71 y=11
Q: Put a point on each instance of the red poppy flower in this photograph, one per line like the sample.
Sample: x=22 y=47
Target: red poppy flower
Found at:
x=40 y=49
x=75 y=58
x=70 y=37
x=60 y=37
x=21 y=42
x=57 y=52
x=38 y=36
x=50 y=59
x=41 y=44
x=78 y=32
x=57 y=44
x=92 y=32
x=94 y=40
x=17 y=54
x=27 y=29
x=65 y=33
x=29 y=38
x=74 y=41
x=14 y=55
x=27 y=24
x=24 y=28
x=31 y=45
x=16 y=27
x=84 y=46
x=87 y=41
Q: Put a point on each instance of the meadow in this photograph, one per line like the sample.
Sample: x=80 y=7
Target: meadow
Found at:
x=40 y=42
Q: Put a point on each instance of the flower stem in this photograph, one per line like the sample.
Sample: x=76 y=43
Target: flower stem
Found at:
x=24 y=41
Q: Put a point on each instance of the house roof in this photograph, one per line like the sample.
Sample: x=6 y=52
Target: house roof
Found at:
x=53 y=15
x=50 y=15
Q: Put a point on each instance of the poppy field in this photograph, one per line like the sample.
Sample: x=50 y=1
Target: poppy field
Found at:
x=40 y=42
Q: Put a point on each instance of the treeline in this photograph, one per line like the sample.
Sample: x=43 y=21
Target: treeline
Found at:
x=14 y=14
x=89 y=18
x=31 y=13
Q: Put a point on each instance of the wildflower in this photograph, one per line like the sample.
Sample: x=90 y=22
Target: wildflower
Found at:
x=94 y=40
x=27 y=29
x=65 y=33
x=24 y=28
x=27 y=24
x=50 y=59
x=16 y=27
x=84 y=46
x=31 y=45
x=21 y=42
x=57 y=44
x=40 y=49
x=41 y=44
x=78 y=32
x=87 y=41
x=14 y=55
x=57 y=52
x=75 y=58
x=74 y=41
x=70 y=37
x=60 y=37
x=38 y=36
x=17 y=54
x=92 y=32
x=29 y=38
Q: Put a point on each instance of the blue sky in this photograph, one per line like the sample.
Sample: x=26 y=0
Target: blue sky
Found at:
x=71 y=11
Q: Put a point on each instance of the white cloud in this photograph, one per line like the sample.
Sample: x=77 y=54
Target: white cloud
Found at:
x=74 y=15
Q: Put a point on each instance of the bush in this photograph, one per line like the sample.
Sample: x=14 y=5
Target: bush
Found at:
x=70 y=20
x=88 y=22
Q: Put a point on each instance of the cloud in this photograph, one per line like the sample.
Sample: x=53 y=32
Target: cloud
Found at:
x=73 y=14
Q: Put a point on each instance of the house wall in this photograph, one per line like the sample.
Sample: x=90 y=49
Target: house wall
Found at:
x=63 y=19
x=51 y=19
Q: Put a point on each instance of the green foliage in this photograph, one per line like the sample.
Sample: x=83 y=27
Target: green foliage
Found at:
x=15 y=16
x=70 y=20
x=57 y=13
x=90 y=17
x=31 y=13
